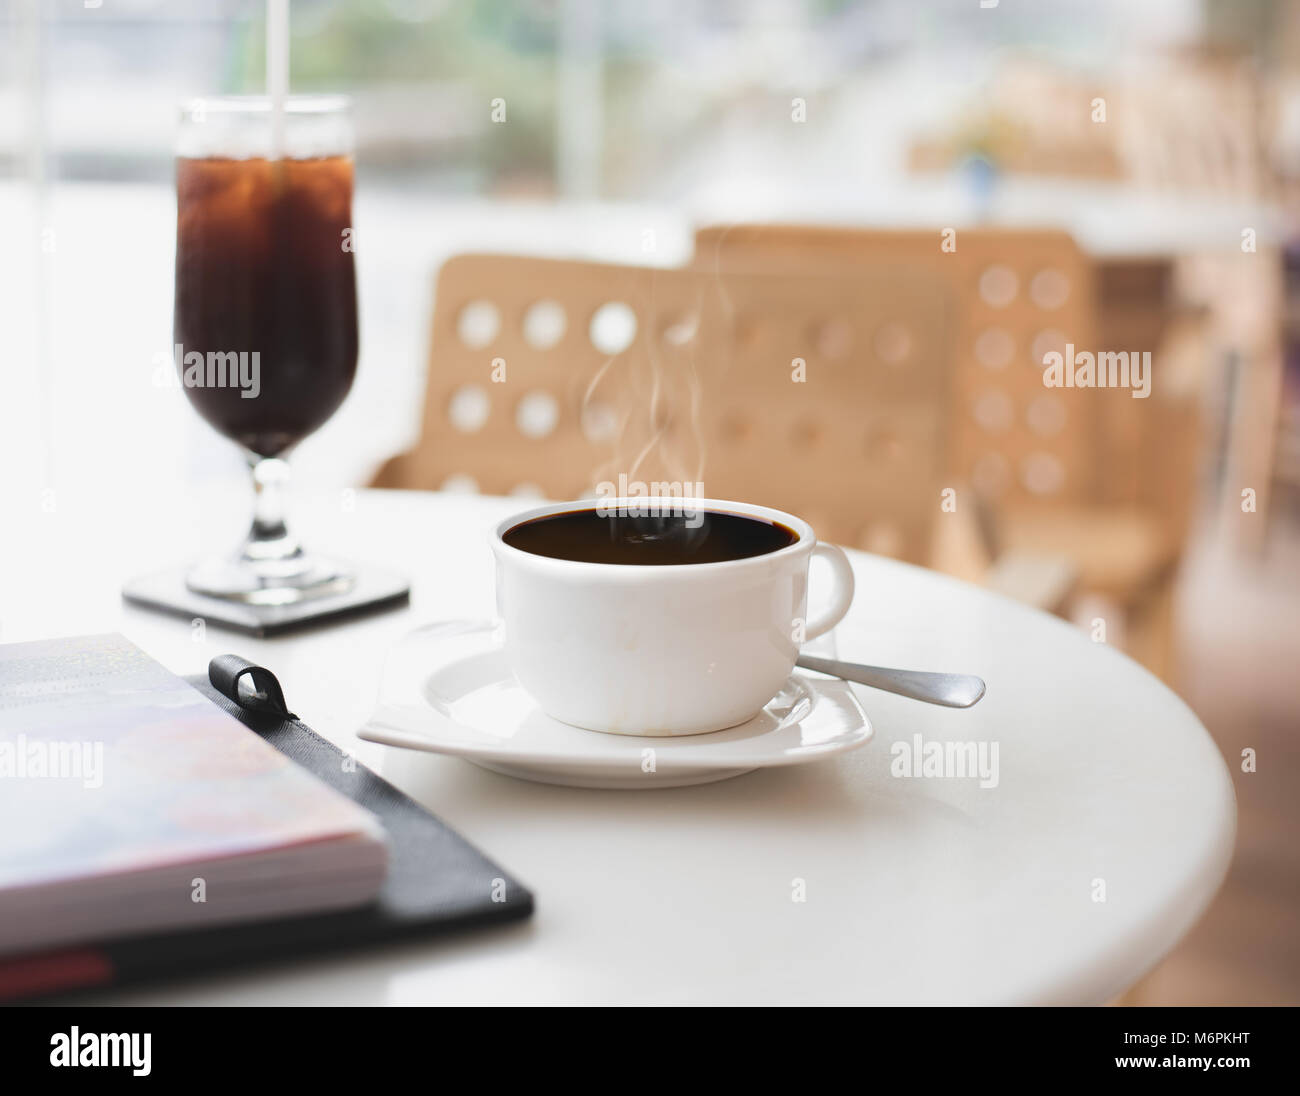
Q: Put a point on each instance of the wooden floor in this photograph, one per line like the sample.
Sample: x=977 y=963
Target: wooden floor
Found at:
x=1239 y=628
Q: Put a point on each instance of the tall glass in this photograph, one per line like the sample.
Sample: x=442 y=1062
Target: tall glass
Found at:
x=266 y=310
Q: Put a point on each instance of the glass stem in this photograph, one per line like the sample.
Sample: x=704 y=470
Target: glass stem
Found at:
x=269 y=538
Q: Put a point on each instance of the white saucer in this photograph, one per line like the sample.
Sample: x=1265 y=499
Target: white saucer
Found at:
x=446 y=689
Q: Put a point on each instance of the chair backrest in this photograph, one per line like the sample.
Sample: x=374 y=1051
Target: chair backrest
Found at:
x=1018 y=294
x=821 y=395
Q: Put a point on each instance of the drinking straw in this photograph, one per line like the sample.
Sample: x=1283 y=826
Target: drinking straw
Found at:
x=277 y=70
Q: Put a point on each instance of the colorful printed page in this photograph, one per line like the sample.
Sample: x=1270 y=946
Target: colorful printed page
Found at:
x=109 y=765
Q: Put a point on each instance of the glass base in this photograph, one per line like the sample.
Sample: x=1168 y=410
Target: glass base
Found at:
x=271 y=581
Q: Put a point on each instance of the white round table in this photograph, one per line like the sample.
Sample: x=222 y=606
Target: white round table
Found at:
x=1107 y=834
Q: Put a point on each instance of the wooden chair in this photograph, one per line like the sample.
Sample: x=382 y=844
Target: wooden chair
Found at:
x=1056 y=473
x=826 y=396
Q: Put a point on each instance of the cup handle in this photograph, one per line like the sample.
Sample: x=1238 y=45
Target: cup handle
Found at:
x=841 y=593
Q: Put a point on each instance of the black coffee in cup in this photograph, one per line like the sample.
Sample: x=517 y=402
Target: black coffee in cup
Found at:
x=593 y=535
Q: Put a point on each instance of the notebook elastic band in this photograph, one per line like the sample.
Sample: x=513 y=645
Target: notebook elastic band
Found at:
x=263 y=693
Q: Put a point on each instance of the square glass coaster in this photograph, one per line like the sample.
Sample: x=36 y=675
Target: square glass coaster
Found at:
x=374 y=590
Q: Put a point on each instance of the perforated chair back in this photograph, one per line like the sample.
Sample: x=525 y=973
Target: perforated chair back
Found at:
x=1018 y=294
x=825 y=396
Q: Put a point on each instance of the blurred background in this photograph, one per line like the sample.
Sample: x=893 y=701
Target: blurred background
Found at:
x=1135 y=167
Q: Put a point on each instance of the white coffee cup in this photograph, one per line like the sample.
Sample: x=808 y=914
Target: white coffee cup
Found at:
x=674 y=649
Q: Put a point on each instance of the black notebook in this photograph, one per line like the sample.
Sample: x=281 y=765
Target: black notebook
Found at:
x=436 y=881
